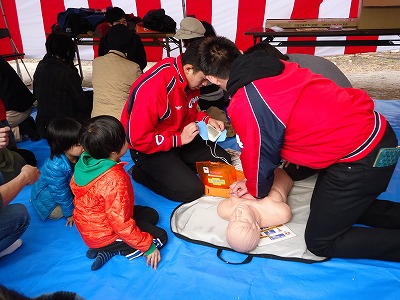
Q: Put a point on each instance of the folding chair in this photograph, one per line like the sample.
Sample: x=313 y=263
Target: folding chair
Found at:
x=5 y=33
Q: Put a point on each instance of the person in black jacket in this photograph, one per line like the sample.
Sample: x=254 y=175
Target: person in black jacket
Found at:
x=136 y=52
x=57 y=85
x=18 y=101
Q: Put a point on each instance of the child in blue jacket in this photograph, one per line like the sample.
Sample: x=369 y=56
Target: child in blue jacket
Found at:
x=51 y=195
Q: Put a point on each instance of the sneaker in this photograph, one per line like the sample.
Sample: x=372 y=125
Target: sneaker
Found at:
x=10 y=249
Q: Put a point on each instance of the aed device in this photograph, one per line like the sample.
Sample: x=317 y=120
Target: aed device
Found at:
x=217 y=177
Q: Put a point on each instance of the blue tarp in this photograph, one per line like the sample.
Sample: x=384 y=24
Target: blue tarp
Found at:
x=52 y=258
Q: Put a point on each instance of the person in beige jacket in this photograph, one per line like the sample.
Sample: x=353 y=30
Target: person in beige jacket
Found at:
x=113 y=74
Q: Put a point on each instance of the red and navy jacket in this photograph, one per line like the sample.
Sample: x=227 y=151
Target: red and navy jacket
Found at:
x=159 y=106
x=297 y=116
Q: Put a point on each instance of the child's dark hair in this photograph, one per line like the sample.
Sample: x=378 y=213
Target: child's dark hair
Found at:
x=114 y=14
x=102 y=135
x=62 y=134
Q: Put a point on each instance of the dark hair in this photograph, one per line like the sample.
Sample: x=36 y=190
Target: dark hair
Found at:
x=114 y=14
x=102 y=135
x=216 y=56
x=210 y=31
x=190 y=55
x=62 y=46
x=268 y=49
x=10 y=294
x=119 y=38
x=187 y=42
x=62 y=134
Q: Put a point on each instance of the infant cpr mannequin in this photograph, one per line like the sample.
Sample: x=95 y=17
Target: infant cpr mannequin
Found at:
x=246 y=215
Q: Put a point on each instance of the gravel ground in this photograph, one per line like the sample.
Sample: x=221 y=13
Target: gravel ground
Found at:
x=377 y=73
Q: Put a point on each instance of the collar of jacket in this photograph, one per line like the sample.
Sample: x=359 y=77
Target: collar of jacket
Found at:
x=177 y=64
x=250 y=67
x=118 y=53
x=88 y=168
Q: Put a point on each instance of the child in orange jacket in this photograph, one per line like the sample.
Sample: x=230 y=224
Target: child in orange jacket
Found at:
x=104 y=213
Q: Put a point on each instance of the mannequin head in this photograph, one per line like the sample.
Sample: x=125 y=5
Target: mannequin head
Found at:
x=243 y=231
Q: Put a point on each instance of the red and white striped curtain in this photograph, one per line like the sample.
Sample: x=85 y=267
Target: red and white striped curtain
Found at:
x=30 y=20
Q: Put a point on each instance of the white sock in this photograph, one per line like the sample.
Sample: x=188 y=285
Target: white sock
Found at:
x=14 y=246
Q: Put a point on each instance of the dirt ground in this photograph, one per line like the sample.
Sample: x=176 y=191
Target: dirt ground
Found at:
x=377 y=73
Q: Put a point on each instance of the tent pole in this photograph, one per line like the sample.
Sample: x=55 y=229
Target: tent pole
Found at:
x=13 y=46
x=3 y=14
x=11 y=41
x=184 y=8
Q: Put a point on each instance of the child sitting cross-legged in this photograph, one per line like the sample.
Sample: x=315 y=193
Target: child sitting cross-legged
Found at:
x=51 y=195
x=105 y=215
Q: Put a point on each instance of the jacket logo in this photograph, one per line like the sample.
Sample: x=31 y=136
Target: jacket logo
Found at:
x=159 y=139
x=193 y=101
x=178 y=107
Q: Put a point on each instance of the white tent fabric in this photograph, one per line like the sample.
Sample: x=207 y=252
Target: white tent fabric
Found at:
x=30 y=20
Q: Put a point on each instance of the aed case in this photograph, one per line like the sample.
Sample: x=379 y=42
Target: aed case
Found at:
x=217 y=177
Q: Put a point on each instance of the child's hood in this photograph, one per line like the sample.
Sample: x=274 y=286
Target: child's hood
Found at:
x=88 y=168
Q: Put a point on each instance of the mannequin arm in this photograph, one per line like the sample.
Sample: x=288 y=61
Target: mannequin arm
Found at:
x=281 y=186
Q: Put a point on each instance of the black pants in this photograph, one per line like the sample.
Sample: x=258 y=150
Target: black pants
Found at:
x=172 y=174
x=344 y=195
x=146 y=219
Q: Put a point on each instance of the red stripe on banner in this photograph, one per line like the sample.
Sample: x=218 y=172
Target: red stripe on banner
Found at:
x=5 y=46
x=153 y=54
x=250 y=14
x=50 y=10
x=356 y=49
x=303 y=9
x=99 y=5
x=11 y=16
x=202 y=10
x=354 y=10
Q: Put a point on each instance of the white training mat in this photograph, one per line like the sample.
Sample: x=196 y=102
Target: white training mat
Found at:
x=198 y=221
